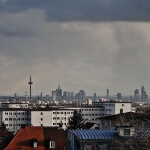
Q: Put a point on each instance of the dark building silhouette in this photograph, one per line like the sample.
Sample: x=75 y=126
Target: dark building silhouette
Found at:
x=144 y=96
x=107 y=94
x=59 y=93
x=30 y=83
x=136 y=95
x=119 y=96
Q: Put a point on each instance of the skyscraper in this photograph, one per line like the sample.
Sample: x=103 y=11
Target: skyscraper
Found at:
x=65 y=95
x=94 y=96
x=119 y=96
x=136 y=95
x=59 y=93
x=70 y=96
x=107 y=94
x=54 y=95
x=81 y=96
x=144 y=96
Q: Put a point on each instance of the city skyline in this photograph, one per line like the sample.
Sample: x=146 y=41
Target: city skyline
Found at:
x=81 y=45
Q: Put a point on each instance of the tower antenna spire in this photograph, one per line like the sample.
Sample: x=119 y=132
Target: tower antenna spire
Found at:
x=30 y=83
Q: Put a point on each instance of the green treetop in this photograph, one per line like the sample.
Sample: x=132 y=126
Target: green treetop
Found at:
x=76 y=121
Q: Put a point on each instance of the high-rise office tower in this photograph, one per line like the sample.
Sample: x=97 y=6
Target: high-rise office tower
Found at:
x=81 y=96
x=59 y=93
x=41 y=96
x=143 y=94
x=107 y=94
x=54 y=95
x=65 y=95
x=71 y=96
x=94 y=96
x=26 y=96
x=136 y=95
x=119 y=96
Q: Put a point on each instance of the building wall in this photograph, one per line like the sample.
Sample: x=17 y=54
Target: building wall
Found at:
x=126 y=107
x=14 y=105
x=13 y=119
x=112 y=108
x=50 y=118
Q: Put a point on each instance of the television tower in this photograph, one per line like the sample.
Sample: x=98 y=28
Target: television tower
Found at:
x=30 y=82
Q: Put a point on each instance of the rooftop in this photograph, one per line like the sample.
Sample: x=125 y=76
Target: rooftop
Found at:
x=95 y=134
x=24 y=138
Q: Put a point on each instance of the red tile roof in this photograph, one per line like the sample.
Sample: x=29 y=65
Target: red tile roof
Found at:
x=24 y=138
x=5 y=133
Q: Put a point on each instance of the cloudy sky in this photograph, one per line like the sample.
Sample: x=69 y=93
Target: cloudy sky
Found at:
x=77 y=44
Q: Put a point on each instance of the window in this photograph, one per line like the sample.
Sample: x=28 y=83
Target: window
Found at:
x=41 y=119
x=121 y=111
x=126 y=132
x=10 y=119
x=41 y=113
x=35 y=143
x=52 y=144
x=6 y=118
x=122 y=104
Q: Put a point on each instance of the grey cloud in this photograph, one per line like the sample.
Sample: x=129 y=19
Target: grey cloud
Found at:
x=75 y=54
x=84 y=10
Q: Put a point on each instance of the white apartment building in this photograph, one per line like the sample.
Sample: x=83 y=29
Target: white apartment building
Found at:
x=90 y=113
x=114 y=107
x=14 y=118
x=14 y=105
x=46 y=117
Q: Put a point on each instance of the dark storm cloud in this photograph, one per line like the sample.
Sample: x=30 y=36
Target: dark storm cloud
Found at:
x=84 y=10
x=79 y=44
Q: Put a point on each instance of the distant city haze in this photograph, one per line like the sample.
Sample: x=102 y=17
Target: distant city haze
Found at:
x=80 y=45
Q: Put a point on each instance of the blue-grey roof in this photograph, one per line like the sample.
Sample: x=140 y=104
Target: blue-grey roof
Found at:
x=94 y=134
